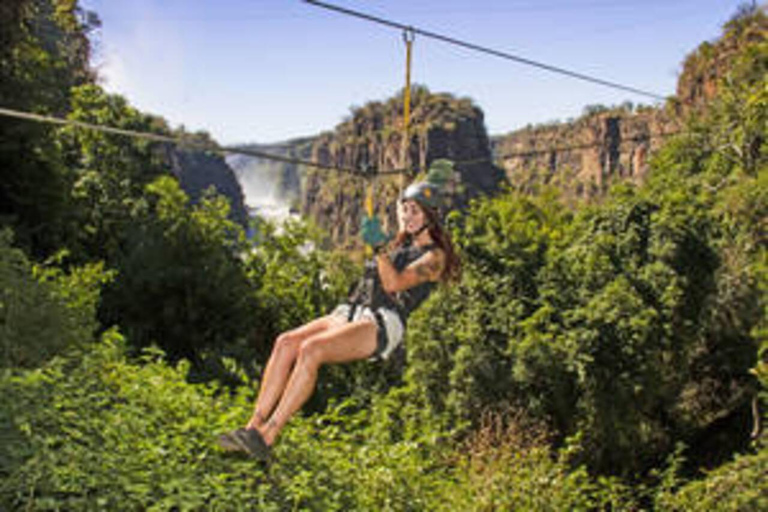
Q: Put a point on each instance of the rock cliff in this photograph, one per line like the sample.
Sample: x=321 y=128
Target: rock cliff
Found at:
x=442 y=126
x=197 y=171
x=585 y=156
x=606 y=145
x=723 y=58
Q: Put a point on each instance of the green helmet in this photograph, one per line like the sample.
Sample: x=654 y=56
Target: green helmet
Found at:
x=424 y=193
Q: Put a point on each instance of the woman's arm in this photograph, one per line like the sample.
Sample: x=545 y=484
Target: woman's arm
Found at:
x=427 y=268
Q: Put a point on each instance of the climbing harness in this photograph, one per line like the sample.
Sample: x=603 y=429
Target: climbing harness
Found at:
x=369 y=294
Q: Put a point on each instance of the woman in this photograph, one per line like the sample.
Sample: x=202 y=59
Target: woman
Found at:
x=370 y=326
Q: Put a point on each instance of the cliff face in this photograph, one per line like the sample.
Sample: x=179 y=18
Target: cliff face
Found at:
x=442 y=126
x=711 y=62
x=584 y=157
x=607 y=145
x=197 y=171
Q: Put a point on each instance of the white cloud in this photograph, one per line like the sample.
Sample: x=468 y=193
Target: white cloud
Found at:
x=144 y=59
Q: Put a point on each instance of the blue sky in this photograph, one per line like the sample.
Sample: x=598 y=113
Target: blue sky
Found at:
x=269 y=70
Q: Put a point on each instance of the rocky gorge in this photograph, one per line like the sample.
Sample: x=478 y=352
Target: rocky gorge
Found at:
x=582 y=157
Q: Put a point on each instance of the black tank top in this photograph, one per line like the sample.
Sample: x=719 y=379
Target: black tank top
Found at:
x=410 y=299
x=370 y=292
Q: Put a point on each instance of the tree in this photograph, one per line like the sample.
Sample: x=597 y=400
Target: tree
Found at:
x=44 y=311
x=44 y=50
x=181 y=283
x=109 y=171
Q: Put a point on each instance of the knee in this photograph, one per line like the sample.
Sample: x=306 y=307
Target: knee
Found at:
x=310 y=354
x=286 y=344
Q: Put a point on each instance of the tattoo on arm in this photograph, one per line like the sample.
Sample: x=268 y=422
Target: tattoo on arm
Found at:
x=423 y=271
x=428 y=269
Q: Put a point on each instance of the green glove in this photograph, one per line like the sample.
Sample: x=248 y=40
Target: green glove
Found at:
x=372 y=233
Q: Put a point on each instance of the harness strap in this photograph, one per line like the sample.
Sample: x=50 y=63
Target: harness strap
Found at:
x=381 y=334
x=420 y=230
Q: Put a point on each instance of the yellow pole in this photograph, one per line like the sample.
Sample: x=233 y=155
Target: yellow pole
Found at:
x=408 y=38
x=369 y=198
x=369 y=211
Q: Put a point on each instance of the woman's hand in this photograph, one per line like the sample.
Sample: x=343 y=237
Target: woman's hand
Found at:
x=372 y=233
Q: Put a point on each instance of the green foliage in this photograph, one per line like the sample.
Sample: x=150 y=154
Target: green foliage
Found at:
x=112 y=171
x=467 y=332
x=760 y=332
x=189 y=282
x=44 y=310
x=96 y=432
x=116 y=157
x=761 y=372
x=181 y=283
x=631 y=322
x=330 y=462
x=740 y=483
x=297 y=281
x=511 y=468
x=736 y=486
x=44 y=51
x=637 y=274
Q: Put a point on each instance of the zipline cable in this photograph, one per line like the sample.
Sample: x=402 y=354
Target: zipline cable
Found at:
x=156 y=137
x=366 y=173
x=483 y=49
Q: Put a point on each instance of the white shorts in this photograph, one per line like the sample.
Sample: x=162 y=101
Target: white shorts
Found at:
x=389 y=328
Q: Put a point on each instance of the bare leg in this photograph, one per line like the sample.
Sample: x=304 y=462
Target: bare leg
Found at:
x=349 y=342
x=283 y=355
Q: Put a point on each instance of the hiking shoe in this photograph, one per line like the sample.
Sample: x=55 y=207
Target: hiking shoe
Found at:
x=228 y=442
x=248 y=441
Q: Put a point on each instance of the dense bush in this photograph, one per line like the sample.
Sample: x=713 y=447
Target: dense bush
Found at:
x=632 y=322
x=44 y=52
x=44 y=310
x=95 y=431
x=180 y=282
x=736 y=486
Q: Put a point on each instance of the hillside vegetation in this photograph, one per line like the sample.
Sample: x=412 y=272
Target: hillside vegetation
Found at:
x=605 y=357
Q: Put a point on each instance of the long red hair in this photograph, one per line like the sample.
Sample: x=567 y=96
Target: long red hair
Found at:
x=452 y=269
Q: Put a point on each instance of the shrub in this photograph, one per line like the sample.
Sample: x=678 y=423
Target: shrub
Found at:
x=44 y=310
x=736 y=486
x=96 y=432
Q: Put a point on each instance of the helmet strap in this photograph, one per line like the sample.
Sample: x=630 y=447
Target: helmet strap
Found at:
x=421 y=229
